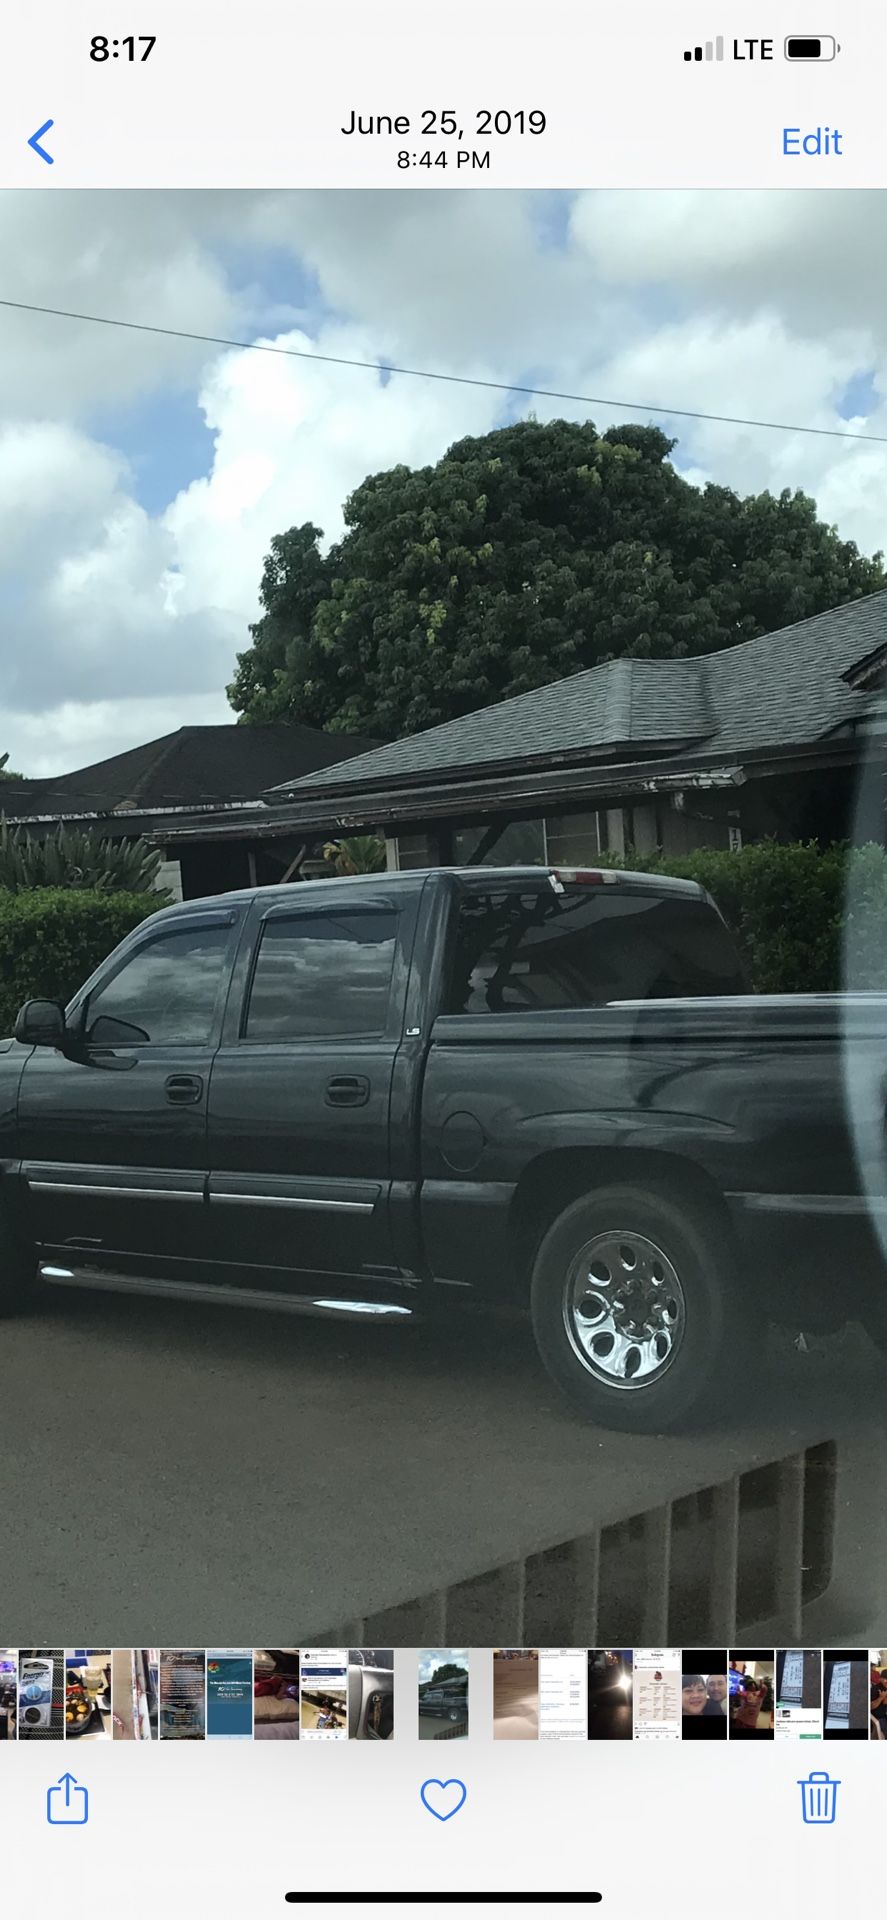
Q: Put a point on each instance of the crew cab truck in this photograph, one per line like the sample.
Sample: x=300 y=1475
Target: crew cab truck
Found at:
x=387 y=1093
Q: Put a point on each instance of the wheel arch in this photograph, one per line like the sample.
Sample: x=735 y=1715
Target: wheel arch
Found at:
x=555 y=1179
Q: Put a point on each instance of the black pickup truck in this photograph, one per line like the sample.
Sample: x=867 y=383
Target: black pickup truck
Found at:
x=369 y=1096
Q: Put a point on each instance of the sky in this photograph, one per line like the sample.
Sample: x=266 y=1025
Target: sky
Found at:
x=434 y=1657
x=142 y=477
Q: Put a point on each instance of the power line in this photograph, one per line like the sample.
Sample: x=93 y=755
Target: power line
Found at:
x=454 y=379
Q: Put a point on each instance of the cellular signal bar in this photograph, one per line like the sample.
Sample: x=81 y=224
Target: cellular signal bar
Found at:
x=712 y=50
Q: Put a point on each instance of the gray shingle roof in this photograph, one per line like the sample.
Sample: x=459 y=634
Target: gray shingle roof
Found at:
x=783 y=689
x=195 y=766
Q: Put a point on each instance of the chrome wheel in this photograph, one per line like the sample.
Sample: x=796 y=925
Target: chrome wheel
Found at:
x=624 y=1309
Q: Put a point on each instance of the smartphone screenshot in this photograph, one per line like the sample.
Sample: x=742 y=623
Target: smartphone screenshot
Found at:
x=229 y=1693
x=657 y=1693
x=798 y=1711
x=563 y=1709
x=516 y=1693
x=443 y=956
x=324 y=1694
x=182 y=1712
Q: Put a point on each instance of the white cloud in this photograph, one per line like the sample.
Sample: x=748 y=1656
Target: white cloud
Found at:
x=292 y=439
x=87 y=584
x=79 y=733
x=105 y=604
x=135 y=257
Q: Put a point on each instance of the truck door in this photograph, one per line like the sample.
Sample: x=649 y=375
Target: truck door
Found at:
x=113 y=1134
x=301 y=1090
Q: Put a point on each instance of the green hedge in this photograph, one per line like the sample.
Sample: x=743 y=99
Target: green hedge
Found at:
x=790 y=906
x=52 y=939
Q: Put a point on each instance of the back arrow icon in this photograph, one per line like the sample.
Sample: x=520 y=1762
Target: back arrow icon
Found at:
x=36 y=139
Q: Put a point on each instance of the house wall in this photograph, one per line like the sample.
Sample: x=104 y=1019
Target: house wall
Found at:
x=221 y=866
x=213 y=867
x=169 y=879
x=811 y=806
x=559 y=840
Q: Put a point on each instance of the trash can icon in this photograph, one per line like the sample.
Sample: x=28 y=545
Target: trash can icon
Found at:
x=818 y=1796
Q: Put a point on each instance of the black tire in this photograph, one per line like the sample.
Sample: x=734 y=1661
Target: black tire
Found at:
x=18 y=1272
x=691 y=1360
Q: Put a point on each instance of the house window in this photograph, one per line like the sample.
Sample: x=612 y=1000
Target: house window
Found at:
x=514 y=843
x=415 y=850
x=169 y=878
x=642 y=828
x=616 y=829
x=574 y=839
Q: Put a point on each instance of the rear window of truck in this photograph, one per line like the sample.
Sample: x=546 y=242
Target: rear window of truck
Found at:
x=516 y=951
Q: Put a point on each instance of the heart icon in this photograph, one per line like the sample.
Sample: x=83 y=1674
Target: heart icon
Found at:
x=443 y=1798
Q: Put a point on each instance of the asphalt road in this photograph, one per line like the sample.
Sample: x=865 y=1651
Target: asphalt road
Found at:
x=271 y=1478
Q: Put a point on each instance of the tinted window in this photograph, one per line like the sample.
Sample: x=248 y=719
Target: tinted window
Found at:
x=584 y=947
x=167 y=993
x=325 y=973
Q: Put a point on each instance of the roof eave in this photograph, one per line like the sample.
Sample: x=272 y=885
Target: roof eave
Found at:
x=523 y=763
x=601 y=785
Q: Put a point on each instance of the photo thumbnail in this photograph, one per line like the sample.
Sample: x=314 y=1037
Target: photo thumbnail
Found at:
x=610 y=1693
x=370 y=1693
x=704 y=1693
x=324 y=1694
x=849 y=1696
x=276 y=1693
x=182 y=1694
x=88 y=1694
x=515 y=1693
x=750 y=1679
x=41 y=1693
x=443 y=1693
x=8 y=1692
x=135 y=1692
x=799 y=1693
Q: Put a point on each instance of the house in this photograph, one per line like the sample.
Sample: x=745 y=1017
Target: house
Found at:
x=200 y=773
x=767 y=738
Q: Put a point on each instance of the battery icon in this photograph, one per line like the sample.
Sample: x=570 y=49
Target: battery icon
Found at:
x=811 y=46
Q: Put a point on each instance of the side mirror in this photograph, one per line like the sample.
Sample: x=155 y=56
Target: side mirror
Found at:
x=41 y=1023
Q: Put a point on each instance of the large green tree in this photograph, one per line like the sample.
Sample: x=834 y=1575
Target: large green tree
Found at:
x=523 y=556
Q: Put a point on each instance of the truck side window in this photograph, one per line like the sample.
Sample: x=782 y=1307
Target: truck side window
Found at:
x=323 y=973
x=166 y=993
x=587 y=946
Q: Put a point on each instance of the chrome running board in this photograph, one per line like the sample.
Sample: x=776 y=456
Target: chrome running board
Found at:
x=315 y=1305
